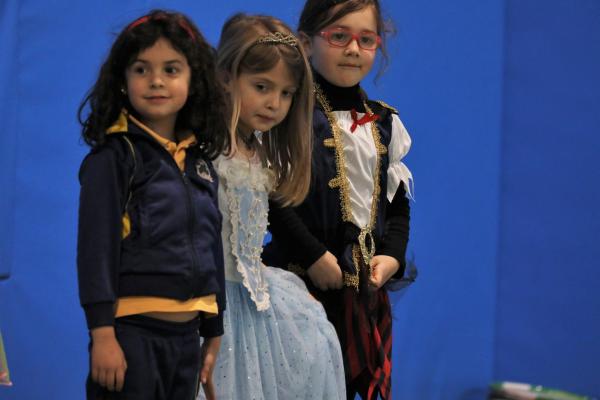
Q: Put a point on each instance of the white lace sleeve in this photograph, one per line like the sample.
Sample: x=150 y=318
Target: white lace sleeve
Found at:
x=398 y=172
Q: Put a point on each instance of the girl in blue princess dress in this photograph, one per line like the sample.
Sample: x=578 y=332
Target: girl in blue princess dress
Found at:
x=278 y=343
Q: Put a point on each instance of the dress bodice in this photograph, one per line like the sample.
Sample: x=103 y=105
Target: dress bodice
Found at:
x=244 y=188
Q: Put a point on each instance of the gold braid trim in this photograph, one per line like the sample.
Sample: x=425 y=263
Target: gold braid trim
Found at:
x=376 y=186
x=296 y=269
x=355 y=279
x=341 y=181
x=350 y=280
x=386 y=105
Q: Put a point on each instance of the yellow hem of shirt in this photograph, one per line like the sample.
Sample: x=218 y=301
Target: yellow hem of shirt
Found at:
x=143 y=304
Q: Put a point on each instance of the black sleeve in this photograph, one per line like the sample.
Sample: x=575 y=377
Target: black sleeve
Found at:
x=104 y=183
x=397 y=224
x=213 y=326
x=289 y=230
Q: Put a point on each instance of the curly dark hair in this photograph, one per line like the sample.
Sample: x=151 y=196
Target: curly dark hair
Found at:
x=203 y=111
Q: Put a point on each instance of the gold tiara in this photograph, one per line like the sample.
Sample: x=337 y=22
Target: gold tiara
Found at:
x=278 y=38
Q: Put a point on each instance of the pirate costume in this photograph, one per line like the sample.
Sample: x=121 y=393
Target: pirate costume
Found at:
x=357 y=207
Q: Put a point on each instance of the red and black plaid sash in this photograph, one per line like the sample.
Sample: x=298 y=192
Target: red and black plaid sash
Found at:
x=367 y=339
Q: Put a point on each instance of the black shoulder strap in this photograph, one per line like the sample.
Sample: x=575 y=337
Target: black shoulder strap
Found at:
x=386 y=106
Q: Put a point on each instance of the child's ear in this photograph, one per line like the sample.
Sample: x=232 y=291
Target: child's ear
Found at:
x=225 y=79
x=306 y=43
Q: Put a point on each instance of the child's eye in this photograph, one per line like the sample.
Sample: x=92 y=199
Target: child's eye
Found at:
x=261 y=87
x=171 y=70
x=368 y=40
x=340 y=36
x=139 y=69
x=288 y=93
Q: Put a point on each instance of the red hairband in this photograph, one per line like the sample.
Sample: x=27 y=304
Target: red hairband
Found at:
x=182 y=23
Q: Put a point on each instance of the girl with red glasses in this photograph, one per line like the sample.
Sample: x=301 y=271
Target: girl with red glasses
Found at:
x=348 y=238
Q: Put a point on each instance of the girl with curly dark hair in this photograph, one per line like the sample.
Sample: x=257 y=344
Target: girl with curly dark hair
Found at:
x=150 y=258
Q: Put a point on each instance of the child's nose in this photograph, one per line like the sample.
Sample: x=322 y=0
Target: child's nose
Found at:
x=353 y=47
x=156 y=80
x=274 y=101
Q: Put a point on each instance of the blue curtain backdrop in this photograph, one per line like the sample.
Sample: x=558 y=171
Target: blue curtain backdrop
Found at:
x=501 y=99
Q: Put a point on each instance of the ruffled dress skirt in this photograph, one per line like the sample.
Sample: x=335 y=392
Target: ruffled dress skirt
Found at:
x=288 y=351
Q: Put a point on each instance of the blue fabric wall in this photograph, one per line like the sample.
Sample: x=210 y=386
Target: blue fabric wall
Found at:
x=446 y=81
x=501 y=100
x=548 y=314
x=8 y=105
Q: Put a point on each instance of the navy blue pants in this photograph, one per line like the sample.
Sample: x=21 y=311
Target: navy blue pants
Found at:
x=163 y=360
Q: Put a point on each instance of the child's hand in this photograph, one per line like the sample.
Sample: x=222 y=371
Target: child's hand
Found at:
x=382 y=269
x=325 y=273
x=108 y=361
x=210 y=349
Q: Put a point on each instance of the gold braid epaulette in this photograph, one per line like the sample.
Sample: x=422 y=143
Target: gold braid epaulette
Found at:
x=386 y=105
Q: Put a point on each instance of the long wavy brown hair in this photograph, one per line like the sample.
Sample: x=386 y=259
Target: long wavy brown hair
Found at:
x=287 y=146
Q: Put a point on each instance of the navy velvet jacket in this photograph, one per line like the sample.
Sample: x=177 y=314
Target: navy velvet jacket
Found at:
x=300 y=235
x=174 y=247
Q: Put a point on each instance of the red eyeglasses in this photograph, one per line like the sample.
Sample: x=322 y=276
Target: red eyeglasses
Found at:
x=341 y=37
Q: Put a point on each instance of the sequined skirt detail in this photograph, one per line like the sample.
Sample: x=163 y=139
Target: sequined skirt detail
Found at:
x=289 y=351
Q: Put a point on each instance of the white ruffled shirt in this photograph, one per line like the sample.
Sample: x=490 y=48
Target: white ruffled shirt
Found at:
x=360 y=153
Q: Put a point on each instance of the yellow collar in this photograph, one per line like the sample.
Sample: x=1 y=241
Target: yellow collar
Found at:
x=177 y=150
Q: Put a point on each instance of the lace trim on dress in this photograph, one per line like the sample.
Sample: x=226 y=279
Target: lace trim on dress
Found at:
x=247 y=186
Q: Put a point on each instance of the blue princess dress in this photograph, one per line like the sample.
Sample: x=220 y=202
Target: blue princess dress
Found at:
x=278 y=343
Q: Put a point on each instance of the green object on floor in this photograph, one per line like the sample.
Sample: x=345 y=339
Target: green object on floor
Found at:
x=525 y=391
x=4 y=375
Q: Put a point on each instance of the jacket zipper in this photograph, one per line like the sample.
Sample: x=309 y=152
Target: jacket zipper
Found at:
x=190 y=214
x=191 y=219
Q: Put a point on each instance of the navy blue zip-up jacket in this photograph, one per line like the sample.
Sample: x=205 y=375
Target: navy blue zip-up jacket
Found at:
x=174 y=247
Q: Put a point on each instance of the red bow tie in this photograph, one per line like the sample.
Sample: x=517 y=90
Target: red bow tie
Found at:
x=368 y=117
